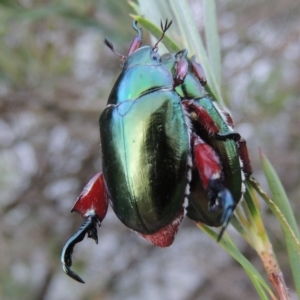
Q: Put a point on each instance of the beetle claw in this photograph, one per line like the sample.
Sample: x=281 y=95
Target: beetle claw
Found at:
x=228 y=206
x=89 y=227
x=92 y=233
x=224 y=201
x=231 y=136
x=71 y=273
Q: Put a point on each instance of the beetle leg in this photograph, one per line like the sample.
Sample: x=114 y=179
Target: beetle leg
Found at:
x=242 y=147
x=198 y=70
x=89 y=227
x=244 y=155
x=201 y=116
x=166 y=235
x=92 y=204
x=137 y=41
x=228 y=118
x=181 y=67
x=135 y=44
x=209 y=168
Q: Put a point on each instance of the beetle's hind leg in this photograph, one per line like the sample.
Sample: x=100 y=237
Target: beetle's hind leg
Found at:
x=92 y=204
x=209 y=168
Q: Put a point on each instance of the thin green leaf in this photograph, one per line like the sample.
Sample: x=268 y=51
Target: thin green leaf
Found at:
x=192 y=41
x=212 y=39
x=151 y=11
x=279 y=215
x=287 y=219
x=228 y=245
x=135 y=7
x=155 y=12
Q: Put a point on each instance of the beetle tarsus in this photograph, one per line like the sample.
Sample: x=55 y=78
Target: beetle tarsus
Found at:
x=228 y=136
x=92 y=233
x=72 y=274
x=89 y=227
x=228 y=207
x=221 y=233
x=224 y=201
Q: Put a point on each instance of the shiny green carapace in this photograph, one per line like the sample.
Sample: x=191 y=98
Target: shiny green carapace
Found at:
x=145 y=144
x=145 y=148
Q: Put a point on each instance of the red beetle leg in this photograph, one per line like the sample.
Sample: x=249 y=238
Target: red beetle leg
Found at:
x=244 y=155
x=201 y=116
x=137 y=41
x=93 y=199
x=181 y=67
x=242 y=147
x=92 y=204
x=198 y=71
x=206 y=161
x=166 y=235
x=208 y=165
x=228 y=118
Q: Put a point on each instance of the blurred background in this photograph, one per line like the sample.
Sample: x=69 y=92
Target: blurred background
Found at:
x=55 y=77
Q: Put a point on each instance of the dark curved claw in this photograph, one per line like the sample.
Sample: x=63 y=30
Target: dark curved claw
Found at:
x=228 y=207
x=71 y=273
x=225 y=136
x=89 y=227
x=223 y=201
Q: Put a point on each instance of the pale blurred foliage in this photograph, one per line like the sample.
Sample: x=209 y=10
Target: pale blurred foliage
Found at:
x=55 y=76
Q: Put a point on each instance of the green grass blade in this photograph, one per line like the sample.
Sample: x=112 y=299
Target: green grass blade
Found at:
x=156 y=31
x=192 y=41
x=212 y=39
x=227 y=244
x=152 y=11
x=287 y=221
x=135 y=7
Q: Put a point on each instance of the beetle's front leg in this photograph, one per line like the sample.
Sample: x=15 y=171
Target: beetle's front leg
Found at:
x=92 y=204
x=209 y=168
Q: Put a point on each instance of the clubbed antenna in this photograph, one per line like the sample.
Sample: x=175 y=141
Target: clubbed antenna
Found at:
x=164 y=28
x=111 y=47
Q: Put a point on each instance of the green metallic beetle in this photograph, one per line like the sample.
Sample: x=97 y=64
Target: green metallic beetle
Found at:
x=208 y=119
x=152 y=151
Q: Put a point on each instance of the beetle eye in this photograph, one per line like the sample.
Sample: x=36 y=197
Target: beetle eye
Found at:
x=155 y=56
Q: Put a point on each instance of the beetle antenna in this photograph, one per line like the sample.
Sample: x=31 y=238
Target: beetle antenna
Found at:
x=89 y=227
x=111 y=47
x=164 y=28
